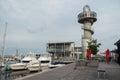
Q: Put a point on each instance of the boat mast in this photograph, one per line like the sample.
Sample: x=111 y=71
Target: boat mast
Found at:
x=4 y=38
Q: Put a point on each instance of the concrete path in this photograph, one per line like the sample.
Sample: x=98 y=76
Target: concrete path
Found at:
x=85 y=73
x=66 y=73
x=112 y=70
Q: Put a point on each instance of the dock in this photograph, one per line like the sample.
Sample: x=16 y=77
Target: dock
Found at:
x=68 y=72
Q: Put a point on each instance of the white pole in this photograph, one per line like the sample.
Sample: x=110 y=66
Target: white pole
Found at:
x=3 y=48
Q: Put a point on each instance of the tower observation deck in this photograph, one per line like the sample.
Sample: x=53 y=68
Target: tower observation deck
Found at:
x=87 y=15
x=87 y=18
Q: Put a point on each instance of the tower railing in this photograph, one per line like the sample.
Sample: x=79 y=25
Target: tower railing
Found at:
x=87 y=15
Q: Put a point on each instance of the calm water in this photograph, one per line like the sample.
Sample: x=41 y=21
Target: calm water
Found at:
x=10 y=75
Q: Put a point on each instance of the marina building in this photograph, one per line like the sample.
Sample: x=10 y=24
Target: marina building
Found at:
x=61 y=49
x=64 y=50
x=117 y=51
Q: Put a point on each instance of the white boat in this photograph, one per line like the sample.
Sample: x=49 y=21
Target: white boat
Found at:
x=18 y=66
x=24 y=62
x=34 y=66
x=56 y=64
x=28 y=58
x=45 y=60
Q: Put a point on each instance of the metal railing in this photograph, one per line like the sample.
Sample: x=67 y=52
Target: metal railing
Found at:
x=87 y=15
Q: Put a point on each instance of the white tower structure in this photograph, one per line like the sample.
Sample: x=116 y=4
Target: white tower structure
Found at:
x=87 y=18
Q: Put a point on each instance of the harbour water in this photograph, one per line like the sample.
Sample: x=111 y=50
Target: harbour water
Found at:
x=10 y=75
x=7 y=74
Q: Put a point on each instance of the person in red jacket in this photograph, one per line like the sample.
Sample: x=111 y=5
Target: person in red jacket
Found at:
x=107 y=58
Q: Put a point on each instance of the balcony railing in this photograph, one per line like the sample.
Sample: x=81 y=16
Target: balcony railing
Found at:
x=59 y=50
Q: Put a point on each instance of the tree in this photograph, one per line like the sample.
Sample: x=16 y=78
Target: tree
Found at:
x=93 y=46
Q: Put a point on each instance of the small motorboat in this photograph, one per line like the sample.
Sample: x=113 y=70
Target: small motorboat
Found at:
x=56 y=64
x=34 y=66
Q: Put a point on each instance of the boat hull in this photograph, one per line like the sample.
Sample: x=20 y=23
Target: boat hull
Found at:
x=18 y=66
x=34 y=68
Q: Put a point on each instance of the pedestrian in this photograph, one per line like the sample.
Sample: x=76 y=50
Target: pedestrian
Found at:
x=76 y=64
x=107 y=58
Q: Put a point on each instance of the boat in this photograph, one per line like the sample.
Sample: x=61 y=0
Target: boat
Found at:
x=45 y=60
x=24 y=62
x=18 y=66
x=56 y=64
x=29 y=57
x=16 y=56
x=34 y=66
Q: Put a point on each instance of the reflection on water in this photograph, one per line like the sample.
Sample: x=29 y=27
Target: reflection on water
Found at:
x=10 y=75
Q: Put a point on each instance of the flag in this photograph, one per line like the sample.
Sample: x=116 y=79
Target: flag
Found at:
x=107 y=52
x=107 y=57
x=88 y=53
x=103 y=52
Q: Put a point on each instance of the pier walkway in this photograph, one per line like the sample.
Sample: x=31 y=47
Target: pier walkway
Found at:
x=112 y=70
x=69 y=73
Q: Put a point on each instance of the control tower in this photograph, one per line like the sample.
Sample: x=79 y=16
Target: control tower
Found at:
x=87 y=18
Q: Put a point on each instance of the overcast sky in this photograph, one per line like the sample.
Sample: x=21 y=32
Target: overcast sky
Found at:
x=33 y=23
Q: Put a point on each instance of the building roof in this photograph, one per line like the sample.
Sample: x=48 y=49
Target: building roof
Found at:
x=78 y=46
x=60 y=42
x=117 y=43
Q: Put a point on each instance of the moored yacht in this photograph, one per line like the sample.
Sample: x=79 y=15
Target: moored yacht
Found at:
x=34 y=66
x=45 y=59
x=24 y=62
x=18 y=66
